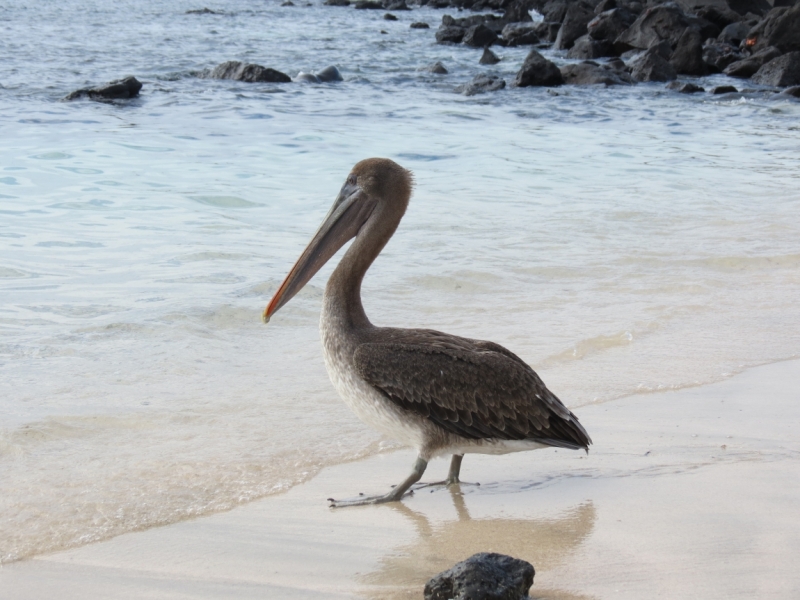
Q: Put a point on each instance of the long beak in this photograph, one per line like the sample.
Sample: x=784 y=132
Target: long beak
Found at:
x=350 y=211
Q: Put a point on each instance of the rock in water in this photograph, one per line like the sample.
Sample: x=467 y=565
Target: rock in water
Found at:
x=591 y=73
x=520 y=34
x=781 y=71
x=684 y=87
x=724 y=89
x=489 y=57
x=688 y=56
x=202 y=11
x=652 y=66
x=479 y=36
x=436 y=68
x=389 y=17
x=664 y=22
x=538 y=71
x=419 y=25
x=747 y=67
x=575 y=24
x=330 y=74
x=483 y=576
x=585 y=47
x=482 y=83
x=718 y=55
x=780 y=28
x=450 y=34
x=121 y=89
x=251 y=73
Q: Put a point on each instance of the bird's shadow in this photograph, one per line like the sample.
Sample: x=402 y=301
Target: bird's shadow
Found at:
x=544 y=542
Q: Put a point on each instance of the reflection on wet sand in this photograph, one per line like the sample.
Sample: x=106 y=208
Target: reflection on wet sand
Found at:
x=544 y=542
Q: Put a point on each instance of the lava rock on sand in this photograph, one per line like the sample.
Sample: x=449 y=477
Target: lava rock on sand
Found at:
x=483 y=576
x=121 y=89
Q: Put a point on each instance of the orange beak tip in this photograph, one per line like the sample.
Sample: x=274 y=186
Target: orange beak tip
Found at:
x=265 y=318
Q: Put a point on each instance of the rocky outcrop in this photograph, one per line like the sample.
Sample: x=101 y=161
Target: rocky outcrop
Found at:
x=665 y=22
x=591 y=73
x=520 y=34
x=575 y=24
x=437 y=68
x=652 y=66
x=251 y=73
x=121 y=89
x=780 y=28
x=479 y=36
x=586 y=48
x=538 y=71
x=747 y=67
x=480 y=84
x=687 y=59
x=483 y=576
x=684 y=87
x=609 y=25
x=734 y=33
x=489 y=58
x=783 y=71
x=718 y=55
x=450 y=34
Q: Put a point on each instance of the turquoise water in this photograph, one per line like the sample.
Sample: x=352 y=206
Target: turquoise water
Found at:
x=620 y=240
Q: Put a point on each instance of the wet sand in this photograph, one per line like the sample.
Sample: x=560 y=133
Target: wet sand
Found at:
x=694 y=493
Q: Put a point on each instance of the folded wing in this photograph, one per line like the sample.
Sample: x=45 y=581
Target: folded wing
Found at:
x=475 y=389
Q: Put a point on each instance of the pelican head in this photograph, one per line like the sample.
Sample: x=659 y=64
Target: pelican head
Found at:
x=375 y=193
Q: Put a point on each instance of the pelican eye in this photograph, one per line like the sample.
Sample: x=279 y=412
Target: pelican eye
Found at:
x=352 y=179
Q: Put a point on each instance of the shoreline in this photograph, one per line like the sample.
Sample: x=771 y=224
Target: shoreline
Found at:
x=685 y=493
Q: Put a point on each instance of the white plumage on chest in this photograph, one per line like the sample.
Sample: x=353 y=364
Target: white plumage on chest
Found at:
x=365 y=401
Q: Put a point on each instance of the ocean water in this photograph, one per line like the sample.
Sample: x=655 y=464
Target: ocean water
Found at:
x=620 y=240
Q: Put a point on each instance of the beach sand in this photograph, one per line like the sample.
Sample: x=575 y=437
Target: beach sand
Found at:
x=686 y=494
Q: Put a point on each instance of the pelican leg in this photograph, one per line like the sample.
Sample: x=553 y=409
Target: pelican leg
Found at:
x=396 y=494
x=452 y=475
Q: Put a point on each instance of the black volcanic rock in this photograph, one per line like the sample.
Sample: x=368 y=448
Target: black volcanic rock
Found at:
x=652 y=66
x=450 y=34
x=482 y=83
x=538 y=71
x=489 y=58
x=665 y=22
x=337 y=3
x=479 y=36
x=724 y=89
x=520 y=34
x=734 y=33
x=121 y=89
x=780 y=28
x=251 y=73
x=483 y=576
x=718 y=55
x=684 y=87
x=586 y=48
x=574 y=25
x=747 y=67
x=783 y=71
x=687 y=59
x=609 y=25
x=591 y=73
x=419 y=25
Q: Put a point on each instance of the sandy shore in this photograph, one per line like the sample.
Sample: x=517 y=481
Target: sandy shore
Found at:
x=685 y=494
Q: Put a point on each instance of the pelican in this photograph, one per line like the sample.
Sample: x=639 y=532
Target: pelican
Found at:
x=438 y=393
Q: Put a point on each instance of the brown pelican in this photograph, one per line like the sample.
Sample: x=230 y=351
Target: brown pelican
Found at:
x=438 y=393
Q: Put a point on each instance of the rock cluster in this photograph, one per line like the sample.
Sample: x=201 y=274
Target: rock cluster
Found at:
x=658 y=40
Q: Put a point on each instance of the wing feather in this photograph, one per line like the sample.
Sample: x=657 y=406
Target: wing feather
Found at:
x=474 y=389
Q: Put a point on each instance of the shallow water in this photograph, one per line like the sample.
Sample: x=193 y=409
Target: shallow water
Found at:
x=619 y=240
